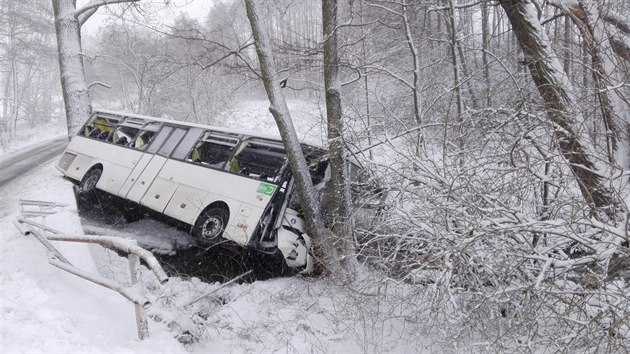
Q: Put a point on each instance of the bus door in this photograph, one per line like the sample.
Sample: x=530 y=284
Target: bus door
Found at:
x=146 y=137
x=157 y=152
x=135 y=174
x=165 y=183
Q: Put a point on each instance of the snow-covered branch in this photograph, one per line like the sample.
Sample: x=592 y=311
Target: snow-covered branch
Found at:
x=85 y=12
x=99 y=83
x=457 y=7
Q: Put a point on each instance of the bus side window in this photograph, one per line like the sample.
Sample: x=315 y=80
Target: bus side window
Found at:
x=161 y=137
x=189 y=141
x=123 y=135
x=144 y=139
x=147 y=135
x=99 y=128
x=259 y=159
x=172 y=142
x=213 y=150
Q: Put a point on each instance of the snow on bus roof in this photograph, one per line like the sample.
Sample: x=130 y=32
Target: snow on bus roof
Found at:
x=197 y=125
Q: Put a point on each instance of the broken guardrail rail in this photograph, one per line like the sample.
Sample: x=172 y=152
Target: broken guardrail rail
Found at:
x=44 y=234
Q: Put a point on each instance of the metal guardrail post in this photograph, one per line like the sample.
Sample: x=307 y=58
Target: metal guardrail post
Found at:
x=141 y=315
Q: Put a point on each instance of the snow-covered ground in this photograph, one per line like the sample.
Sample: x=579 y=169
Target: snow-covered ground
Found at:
x=44 y=309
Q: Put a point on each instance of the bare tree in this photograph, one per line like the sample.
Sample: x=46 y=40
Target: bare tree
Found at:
x=68 y=21
x=567 y=121
x=280 y=111
x=339 y=200
x=26 y=58
x=613 y=103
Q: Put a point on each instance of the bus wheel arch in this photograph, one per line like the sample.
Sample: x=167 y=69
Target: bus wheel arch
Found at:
x=212 y=222
x=90 y=179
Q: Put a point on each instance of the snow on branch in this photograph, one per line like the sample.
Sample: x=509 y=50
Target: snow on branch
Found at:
x=95 y=4
x=456 y=7
x=99 y=83
x=85 y=12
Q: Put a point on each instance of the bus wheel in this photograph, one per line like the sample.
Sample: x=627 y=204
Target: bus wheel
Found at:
x=211 y=224
x=89 y=181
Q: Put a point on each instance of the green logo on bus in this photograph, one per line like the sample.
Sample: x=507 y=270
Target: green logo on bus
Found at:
x=266 y=189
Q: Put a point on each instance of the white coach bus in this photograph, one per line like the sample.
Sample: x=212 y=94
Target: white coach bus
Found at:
x=222 y=183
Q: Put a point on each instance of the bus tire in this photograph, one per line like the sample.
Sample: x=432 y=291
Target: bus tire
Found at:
x=211 y=224
x=88 y=182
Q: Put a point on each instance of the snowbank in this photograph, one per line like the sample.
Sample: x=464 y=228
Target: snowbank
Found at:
x=45 y=309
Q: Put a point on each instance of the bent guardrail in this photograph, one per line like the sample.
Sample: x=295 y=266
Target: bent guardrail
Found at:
x=44 y=234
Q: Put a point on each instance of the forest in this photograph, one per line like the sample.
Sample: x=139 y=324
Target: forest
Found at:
x=493 y=136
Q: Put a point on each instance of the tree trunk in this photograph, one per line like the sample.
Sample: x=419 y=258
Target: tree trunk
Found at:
x=340 y=201
x=280 y=111
x=5 y=124
x=73 y=82
x=16 y=98
x=416 y=64
x=485 y=45
x=568 y=123
x=366 y=92
x=613 y=104
x=456 y=84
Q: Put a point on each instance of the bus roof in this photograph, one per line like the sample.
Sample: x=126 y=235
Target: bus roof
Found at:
x=204 y=126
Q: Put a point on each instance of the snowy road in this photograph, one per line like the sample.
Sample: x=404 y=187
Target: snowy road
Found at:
x=29 y=158
x=25 y=163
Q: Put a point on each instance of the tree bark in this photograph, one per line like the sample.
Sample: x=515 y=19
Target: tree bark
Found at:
x=340 y=201
x=416 y=64
x=456 y=84
x=73 y=82
x=613 y=104
x=280 y=111
x=485 y=45
x=366 y=92
x=552 y=85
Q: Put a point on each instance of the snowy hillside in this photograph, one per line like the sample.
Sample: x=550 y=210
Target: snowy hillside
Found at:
x=254 y=116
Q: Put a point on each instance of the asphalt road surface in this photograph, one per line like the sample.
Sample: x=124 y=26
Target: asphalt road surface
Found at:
x=18 y=170
x=21 y=162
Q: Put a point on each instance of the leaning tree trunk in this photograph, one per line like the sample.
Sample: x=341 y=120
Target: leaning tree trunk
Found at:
x=568 y=123
x=280 y=111
x=607 y=76
x=73 y=82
